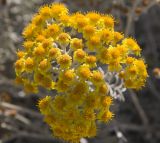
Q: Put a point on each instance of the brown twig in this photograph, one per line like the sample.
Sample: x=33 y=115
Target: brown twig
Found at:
x=141 y=113
x=130 y=17
x=30 y=136
x=151 y=4
x=21 y=109
x=139 y=108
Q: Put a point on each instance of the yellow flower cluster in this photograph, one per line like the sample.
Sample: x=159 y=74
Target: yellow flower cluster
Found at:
x=63 y=52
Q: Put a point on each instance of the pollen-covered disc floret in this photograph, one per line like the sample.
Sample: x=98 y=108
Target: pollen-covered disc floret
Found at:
x=75 y=55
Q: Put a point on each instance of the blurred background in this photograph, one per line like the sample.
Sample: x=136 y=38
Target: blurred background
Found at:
x=137 y=119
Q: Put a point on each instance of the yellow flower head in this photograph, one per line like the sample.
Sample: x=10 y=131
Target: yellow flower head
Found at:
x=47 y=82
x=84 y=72
x=118 y=36
x=47 y=43
x=103 y=55
x=64 y=38
x=68 y=76
x=79 y=56
x=29 y=64
x=64 y=61
x=92 y=101
x=40 y=38
x=38 y=20
x=39 y=51
x=97 y=77
x=89 y=115
x=102 y=89
x=93 y=17
x=29 y=31
x=107 y=35
x=61 y=86
x=44 y=104
x=106 y=101
x=45 y=12
x=130 y=60
x=58 y=9
x=80 y=88
x=94 y=42
x=59 y=103
x=132 y=45
x=30 y=87
x=72 y=113
x=80 y=22
x=91 y=60
x=20 y=54
x=76 y=43
x=19 y=65
x=28 y=45
x=44 y=65
x=38 y=77
x=52 y=30
x=65 y=19
x=88 y=31
x=108 y=21
x=54 y=53
x=107 y=116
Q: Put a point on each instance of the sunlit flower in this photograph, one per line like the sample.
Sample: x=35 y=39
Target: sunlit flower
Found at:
x=77 y=56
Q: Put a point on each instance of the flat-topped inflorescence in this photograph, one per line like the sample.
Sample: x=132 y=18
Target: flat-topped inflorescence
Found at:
x=75 y=54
